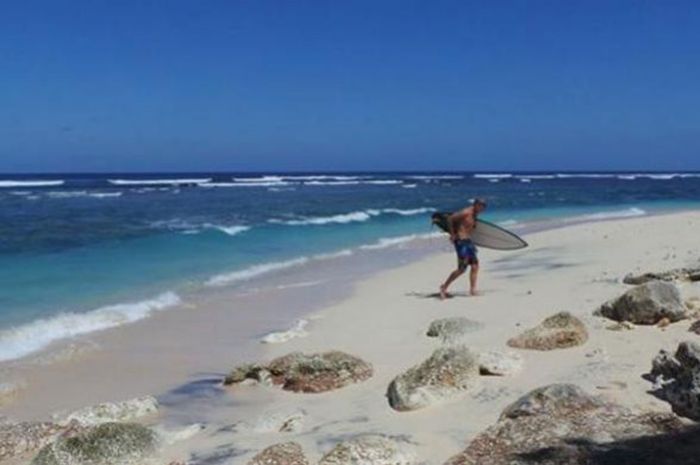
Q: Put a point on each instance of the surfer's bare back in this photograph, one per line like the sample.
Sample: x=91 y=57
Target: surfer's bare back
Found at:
x=461 y=224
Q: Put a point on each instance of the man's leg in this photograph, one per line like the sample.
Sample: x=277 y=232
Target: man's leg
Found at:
x=450 y=279
x=473 y=275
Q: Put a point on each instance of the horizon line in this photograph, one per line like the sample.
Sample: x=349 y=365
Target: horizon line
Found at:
x=331 y=172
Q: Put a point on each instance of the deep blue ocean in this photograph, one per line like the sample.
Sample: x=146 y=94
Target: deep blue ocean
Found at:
x=80 y=253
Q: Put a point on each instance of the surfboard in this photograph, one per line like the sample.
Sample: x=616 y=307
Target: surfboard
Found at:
x=485 y=234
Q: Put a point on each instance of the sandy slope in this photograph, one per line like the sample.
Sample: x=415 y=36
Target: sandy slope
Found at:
x=573 y=269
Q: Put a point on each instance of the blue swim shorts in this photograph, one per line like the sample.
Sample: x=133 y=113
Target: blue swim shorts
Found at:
x=466 y=253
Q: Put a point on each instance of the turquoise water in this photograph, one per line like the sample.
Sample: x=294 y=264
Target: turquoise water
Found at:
x=96 y=251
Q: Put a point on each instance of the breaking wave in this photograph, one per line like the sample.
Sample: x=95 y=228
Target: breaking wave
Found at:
x=31 y=337
x=279 y=337
x=493 y=176
x=245 y=184
x=387 y=242
x=31 y=183
x=352 y=217
x=157 y=182
x=186 y=227
x=254 y=271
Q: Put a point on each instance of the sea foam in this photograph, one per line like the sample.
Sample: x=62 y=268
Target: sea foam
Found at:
x=254 y=271
x=278 y=337
x=245 y=184
x=157 y=182
x=585 y=175
x=22 y=340
x=229 y=230
x=352 y=217
x=82 y=193
x=320 y=177
x=493 y=175
x=31 y=183
x=536 y=176
x=187 y=227
x=332 y=183
x=343 y=218
x=435 y=177
x=387 y=242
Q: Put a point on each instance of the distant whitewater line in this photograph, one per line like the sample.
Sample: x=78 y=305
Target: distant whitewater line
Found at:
x=622 y=176
x=187 y=227
x=318 y=177
x=31 y=183
x=536 y=176
x=333 y=183
x=493 y=176
x=157 y=182
x=435 y=177
x=354 y=182
x=344 y=218
x=315 y=177
x=276 y=181
x=82 y=193
x=245 y=184
x=281 y=180
x=23 y=340
x=104 y=195
x=356 y=216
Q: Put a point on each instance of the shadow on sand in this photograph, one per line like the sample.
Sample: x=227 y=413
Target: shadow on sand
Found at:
x=674 y=448
x=436 y=295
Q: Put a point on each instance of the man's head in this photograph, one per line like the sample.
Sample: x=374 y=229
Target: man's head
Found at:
x=479 y=205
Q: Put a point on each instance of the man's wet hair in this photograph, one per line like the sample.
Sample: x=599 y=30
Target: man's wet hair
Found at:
x=479 y=201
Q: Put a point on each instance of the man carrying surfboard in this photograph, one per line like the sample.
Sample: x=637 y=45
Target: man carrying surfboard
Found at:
x=460 y=227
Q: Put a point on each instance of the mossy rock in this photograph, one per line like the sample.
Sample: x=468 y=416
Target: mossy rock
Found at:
x=559 y=331
x=309 y=373
x=106 y=444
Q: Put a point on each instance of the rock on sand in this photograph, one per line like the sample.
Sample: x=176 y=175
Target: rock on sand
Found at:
x=287 y=453
x=312 y=373
x=108 y=443
x=446 y=374
x=646 y=304
x=677 y=379
x=370 y=449
x=559 y=331
x=562 y=425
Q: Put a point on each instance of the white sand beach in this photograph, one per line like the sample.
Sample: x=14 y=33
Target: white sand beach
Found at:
x=384 y=322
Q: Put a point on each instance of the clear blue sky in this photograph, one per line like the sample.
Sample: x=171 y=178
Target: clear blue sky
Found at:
x=176 y=85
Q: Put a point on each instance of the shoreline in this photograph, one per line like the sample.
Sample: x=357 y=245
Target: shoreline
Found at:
x=232 y=327
x=306 y=296
x=124 y=312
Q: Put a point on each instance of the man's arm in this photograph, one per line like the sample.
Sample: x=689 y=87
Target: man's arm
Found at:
x=469 y=221
x=452 y=222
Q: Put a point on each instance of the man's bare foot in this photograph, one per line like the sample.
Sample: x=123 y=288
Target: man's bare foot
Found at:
x=443 y=292
x=474 y=293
